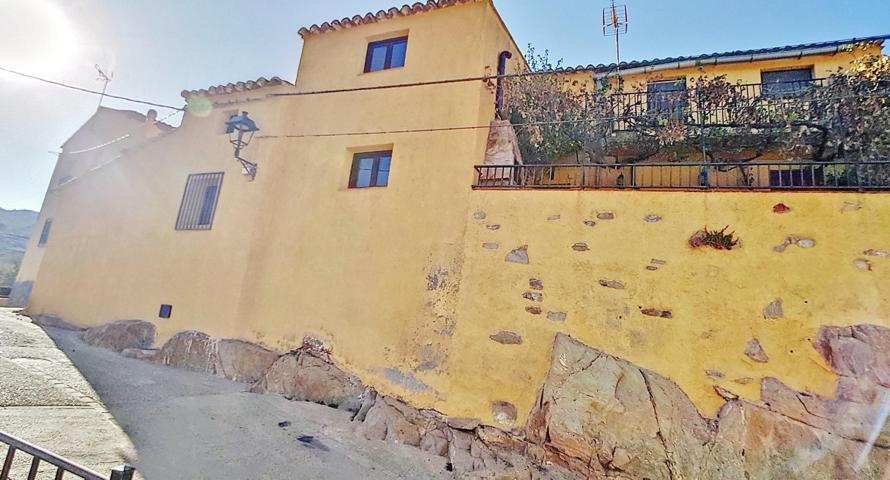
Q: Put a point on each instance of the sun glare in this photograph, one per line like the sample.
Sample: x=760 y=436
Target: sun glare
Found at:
x=38 y=37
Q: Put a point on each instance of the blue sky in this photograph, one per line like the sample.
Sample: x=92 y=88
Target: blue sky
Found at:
x=157 y=48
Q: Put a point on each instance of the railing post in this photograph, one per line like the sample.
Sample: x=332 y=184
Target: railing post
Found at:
x=123 y=472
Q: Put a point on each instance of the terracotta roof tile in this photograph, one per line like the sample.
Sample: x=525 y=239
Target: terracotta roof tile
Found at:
x=736 y=53
x=403 y=11
x=228 y=88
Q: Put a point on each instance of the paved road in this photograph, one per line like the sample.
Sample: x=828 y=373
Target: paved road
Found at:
x=100 y=409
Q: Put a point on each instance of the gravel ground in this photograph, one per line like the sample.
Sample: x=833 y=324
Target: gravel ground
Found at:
x=100 y=409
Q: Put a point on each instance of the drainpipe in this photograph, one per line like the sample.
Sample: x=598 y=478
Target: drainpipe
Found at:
x=499 y=93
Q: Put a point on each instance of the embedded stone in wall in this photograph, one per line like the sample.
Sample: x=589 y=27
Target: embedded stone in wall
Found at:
x=605 y=215
x=862 y=264
x=724 y=393
x=589 y=223
x=308 y=376
x=806 y=243
x=871 y=252
x=121 y=334
x=518 y=255
x=506 y=338
x=654 y=312
x=580 y=247
x=612 y=284
x=533 y=296
x=480 y=215
x=493 y=226
x=536 y=284
x=534 y=310
x=490 y=245
x=556 y=316
x=774 y=310
x=658 y=261
x=503 y=412
x=553 y=217
x=754 y=350
x=716 y=374
x=850 y=206
x=463 y=423
x=652 y=218
x=651 y=268
x=781 y=208
x=743 y=380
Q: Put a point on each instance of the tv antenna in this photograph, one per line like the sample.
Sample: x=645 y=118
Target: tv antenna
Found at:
x=105 y=77
x=615 y=25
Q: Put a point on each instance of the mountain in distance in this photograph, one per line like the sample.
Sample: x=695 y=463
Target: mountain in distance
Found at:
x=15 y=228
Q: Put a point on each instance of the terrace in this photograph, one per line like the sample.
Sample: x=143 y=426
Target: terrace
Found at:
x=696 y=133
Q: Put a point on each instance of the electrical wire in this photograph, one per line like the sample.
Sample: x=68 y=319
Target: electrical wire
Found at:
x=592 y=120
x=120 y=138
x=87 y=90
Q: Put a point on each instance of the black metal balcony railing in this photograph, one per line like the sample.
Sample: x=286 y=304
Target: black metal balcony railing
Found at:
x=741 y=104
x=780 y=175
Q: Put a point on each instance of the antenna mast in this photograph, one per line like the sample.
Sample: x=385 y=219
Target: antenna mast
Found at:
x=105 y=77
x=615 y=24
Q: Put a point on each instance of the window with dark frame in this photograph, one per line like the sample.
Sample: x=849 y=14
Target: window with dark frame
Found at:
x=386 y=54
x=786 y=83
x=199 y=201
x=44 y=233
x=370 y=169
x=666 y=96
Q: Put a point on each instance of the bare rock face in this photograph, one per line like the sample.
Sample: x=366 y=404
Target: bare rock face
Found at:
x=233 y=359
x=311 y=376
x=121 y=335
x=624 y=407
x=192 y=350
x=243 y=361
x=603 y=417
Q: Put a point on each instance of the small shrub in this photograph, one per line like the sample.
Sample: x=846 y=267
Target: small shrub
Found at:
x=717 y=239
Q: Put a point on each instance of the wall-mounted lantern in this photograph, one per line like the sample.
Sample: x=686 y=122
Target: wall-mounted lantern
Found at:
x=241 y=128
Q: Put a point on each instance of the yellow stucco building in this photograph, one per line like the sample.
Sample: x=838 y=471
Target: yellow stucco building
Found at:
x=362 y=228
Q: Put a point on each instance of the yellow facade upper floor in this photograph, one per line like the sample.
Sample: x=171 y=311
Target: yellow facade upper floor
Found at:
x=786 y=65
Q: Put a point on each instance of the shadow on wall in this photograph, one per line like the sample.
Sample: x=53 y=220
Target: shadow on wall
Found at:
x=20 y=294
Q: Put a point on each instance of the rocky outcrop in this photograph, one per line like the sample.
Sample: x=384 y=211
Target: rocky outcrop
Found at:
x=309 y=374
x=191 y=350
x=243 y=361
x=232 y=359
x=599 y=416
x=121 y=335
x=634 y=423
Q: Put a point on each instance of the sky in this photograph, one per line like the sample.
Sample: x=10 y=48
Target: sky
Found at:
x=157 y=48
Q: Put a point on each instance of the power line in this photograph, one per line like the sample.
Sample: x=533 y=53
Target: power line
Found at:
x=592 y=120
x=87 y=90
x=118 y=139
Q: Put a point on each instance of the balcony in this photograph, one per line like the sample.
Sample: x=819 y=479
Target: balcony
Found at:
x=780 y=175
x=819 y=134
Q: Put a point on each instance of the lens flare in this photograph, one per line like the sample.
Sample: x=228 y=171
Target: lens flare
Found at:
x=38 y=38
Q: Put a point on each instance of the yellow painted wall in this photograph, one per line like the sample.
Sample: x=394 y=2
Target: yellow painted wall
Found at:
x=716 y=297
x=106 y=124
x=396 y=279
x=742 y=72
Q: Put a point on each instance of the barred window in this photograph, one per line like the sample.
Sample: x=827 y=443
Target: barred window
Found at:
x=44 y=234
x=667 y=96
x=783 y=83
x=199 y=201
